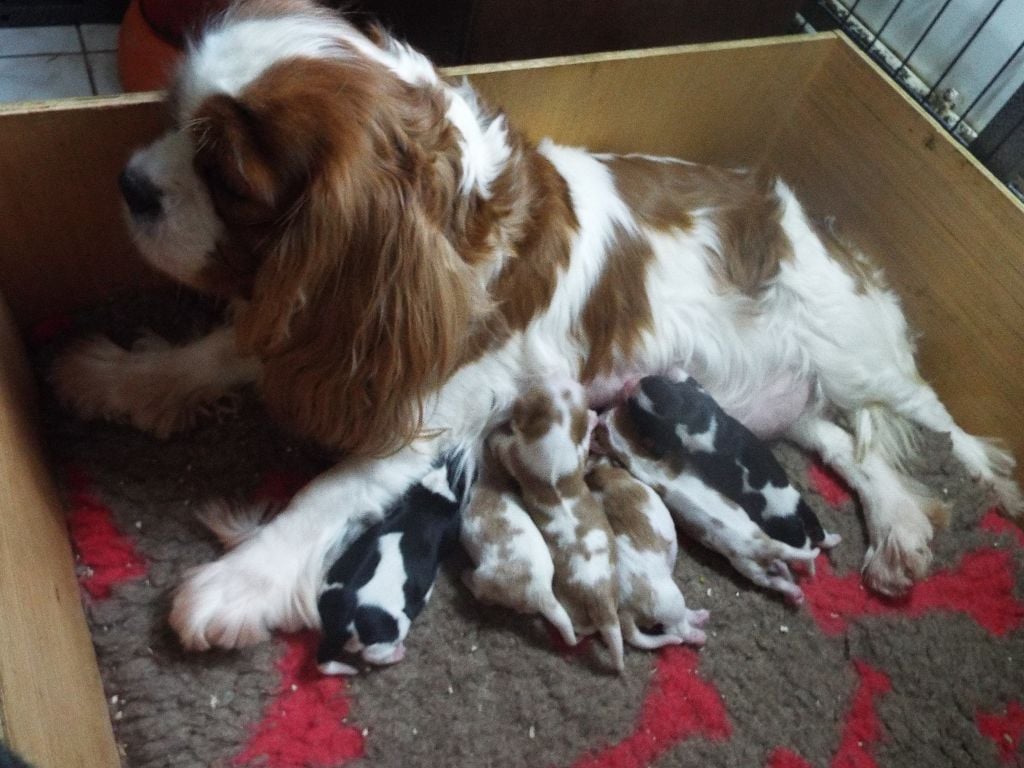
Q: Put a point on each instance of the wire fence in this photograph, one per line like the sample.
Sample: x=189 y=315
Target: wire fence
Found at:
x=962 y=60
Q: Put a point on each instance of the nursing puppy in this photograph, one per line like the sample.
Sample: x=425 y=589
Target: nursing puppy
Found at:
x=513 y=567
x=382 y=581
x=546 y=453
x=645 y=556
x=677 y=414
x=702 y=512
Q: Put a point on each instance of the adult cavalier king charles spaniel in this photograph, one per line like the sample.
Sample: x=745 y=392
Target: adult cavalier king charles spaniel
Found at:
x=402 y=263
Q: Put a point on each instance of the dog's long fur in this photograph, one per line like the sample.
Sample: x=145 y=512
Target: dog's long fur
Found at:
x=402 y=262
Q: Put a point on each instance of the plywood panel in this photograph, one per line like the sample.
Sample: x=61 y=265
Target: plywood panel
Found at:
x=63 y=242
x=714 y=103
x=62 y=238
x=51 y=700
x=950 y=237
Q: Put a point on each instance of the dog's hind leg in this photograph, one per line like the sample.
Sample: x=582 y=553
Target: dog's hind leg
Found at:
x=896 y=514
x=985 y=459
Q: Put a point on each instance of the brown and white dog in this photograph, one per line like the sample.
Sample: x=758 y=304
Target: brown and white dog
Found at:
x=546 y=452
x=400 y=259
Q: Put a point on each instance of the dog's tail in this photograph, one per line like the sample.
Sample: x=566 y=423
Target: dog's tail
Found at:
x=900 y=442
x=232 y=523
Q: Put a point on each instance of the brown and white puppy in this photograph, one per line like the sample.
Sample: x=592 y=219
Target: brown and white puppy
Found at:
x=708 y=516
x=546 y=453
x=513 y=567
x=645 y=556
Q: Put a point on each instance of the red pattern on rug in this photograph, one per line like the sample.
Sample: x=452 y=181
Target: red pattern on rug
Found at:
x=1005 y=731
x=982 y=587
x=678 y=706
x=863 y=728
x=48 y=329
x=828 y=484
x=784 y=758
x=861 y=731
x=994 y=522
x=303 y=726
x=109 y=556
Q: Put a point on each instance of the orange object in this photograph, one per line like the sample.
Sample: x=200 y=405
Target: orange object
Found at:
x=145 y=61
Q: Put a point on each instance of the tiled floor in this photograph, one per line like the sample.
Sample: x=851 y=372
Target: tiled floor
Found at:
x=58 y=62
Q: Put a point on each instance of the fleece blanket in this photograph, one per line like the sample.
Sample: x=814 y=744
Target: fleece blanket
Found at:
x=849 y=680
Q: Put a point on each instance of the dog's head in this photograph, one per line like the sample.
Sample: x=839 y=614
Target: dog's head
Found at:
x=310 y=174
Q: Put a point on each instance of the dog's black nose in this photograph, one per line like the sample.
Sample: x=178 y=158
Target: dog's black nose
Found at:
x=141 y=195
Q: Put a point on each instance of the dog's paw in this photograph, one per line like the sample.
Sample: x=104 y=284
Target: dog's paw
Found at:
x=224 y=604
x=902 y=557
x=85 y=377
x=97 y=379
x=1008 y=496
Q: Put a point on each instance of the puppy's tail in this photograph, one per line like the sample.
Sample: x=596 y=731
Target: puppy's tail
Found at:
x=632 y=634
x=612 y=636
x=554 y=612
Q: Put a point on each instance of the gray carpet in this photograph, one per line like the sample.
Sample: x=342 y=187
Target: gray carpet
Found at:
x=483 y=687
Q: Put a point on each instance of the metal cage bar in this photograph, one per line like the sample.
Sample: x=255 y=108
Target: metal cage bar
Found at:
x=970 y=41
x=996 y=144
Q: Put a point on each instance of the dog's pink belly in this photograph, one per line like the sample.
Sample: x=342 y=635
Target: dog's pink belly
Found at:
x=773 y=409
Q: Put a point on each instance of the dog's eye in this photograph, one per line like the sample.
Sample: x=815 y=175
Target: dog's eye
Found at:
x=224 y=187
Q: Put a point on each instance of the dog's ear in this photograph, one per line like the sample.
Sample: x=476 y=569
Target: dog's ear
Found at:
x=229 y=155
x=361 y=305
x=358 y=315
x=266 y=144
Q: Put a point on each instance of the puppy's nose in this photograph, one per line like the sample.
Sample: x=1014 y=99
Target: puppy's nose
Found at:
x=141 y=194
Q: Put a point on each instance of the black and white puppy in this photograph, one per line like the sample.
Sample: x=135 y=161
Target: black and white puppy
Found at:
x=677 y=414
x=381 y=582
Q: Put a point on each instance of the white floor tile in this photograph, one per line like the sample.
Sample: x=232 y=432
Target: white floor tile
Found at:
x=31 y=78
x=104 y=73
x=21 y=41
x=100 y=37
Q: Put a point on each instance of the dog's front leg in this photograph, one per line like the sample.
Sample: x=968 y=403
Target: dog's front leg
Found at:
x=159 y=388
x=270 y=580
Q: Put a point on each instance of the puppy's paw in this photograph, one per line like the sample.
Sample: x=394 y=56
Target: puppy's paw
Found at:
x=697 y=618
x=691 y=635
x=831 y=541
x=901 y=558
x=382 y=654
x=334 y=667
x=1007 y=494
